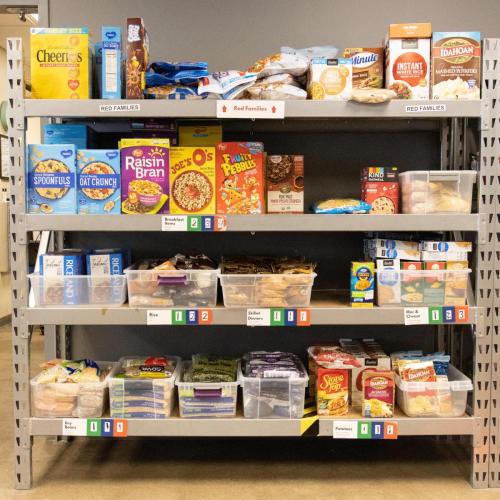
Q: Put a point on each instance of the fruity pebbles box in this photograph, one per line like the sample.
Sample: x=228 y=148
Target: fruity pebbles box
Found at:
x=240 y=178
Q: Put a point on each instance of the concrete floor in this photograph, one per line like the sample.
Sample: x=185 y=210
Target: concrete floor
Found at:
x=240 y=469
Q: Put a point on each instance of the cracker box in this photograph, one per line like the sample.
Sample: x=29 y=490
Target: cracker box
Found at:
x=66 y=133
x=408 y=60
x=98 y=181
x=111 y=82
x=388 y=282
x=137 y=58
x=380 y=188
x=240 y=178
x=456 y=65
x=192 y=180
x=285 y=184
x=367 y=67
x=332 y=392
x=378 y=394
x=412 y=284
x=209 y=135
x=51 y=186
x=60 y=63
x=362 y=284
x=330 y=79
x=145 y=179
x=434 y=283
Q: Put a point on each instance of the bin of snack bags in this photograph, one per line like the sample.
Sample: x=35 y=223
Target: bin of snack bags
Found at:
x=143 y=387
x=208 y=387
x=274 y=385
x=437 y=191
x=71 y=389
x=159 y=283
x=443 y=398
x=78 y=290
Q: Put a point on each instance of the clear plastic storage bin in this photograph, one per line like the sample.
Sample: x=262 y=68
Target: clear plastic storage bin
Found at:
x=434 y=399
x=142 y=398
x=273 y=397
x=437 y=191
x=187 y=288
x=422 y=288
x=78 y=291
x=79 y=400
x=206 y=399
x=267 y=290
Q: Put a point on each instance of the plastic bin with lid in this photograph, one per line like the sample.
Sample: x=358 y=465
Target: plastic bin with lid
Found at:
x=437 y=191
x=273 y=397
x=434 y=399
x=142 y=397
x=267 y=290
x=68 y=399
x=177 y=288
x=206 y=399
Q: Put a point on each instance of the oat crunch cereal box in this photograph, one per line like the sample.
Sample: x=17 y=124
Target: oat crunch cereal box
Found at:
x=192 y=180
x=240 y=178
x=60 y=63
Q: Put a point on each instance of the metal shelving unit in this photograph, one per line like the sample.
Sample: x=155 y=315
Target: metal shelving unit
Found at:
x=483 y=418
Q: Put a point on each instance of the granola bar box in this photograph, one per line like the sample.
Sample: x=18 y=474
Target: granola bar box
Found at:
x=192 y=180
x=145 y=179
x=285 y=184
x=240 y=178
x=98 y=181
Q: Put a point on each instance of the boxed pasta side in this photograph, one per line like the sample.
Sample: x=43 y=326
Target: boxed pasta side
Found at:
x=330 y=79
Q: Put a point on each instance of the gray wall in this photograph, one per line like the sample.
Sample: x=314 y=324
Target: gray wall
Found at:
x=232 y=34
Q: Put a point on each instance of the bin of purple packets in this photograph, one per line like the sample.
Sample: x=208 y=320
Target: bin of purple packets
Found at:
x=274 y=385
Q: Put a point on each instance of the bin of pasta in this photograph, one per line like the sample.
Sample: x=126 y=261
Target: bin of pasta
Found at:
x=208 y=387
x=436 y=191
x=67 y=388
x=266 y=282
x=143 y=387
x=181 y=281
x=274 y=385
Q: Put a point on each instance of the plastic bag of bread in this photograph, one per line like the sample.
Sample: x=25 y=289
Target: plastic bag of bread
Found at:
x=372 y=96
x=293 y=64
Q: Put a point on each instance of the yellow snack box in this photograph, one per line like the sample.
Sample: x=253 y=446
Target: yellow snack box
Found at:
x=192 y=180
x=202 y=135
x=60 y=63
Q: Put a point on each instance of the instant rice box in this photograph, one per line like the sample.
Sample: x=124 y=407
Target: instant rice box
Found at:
x=192 y=180
x=240 y=178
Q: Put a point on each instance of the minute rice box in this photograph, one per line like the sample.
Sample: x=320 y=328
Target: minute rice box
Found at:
x=192 y=180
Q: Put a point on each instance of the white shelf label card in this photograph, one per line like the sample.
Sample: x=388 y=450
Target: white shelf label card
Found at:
x=258 y=317
x=416 y=315
x=159 y=317
x=425 y=108
x=74 y=427
x=174 y=223
x=250 y=109
x=194 y=223
x=345 y=429
x=119 y=108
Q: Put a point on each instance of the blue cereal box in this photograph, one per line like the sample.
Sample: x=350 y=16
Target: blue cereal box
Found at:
x=66 y=133
x=111 y=62
x=51 y=176
x=98 y=181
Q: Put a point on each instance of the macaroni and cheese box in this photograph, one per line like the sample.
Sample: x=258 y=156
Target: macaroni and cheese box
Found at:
x=456 y=283
x=434 y=284
x=111 y=83
x=192 y=180
x=137 y=58
x=66 y=133
x=51 y=186
x=209 y=135
x=144 y=179
x=61 y=63
x=98 y=181
x=240 y=178
x=330 y=79
x=285 y=184
x=412 y=284
x=362 y=284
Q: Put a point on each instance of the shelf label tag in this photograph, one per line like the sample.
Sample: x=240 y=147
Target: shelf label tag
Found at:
x=416 y=315
x=191 y=317
x=178 y=317
x=174 y=223
x=250 y=109
x=220 y=223
x=74 y=427
x=93 y=427
x=377 y=430
x=107 y=427
x=425 y=108
x=205 y=317
x=449 y=314
x=290 y=317
x=277 y=317
x=364 y=430
x=390 y=430
x=462 y=314
x=258 y=317
x=435 y=315
x=345 y=429
x=118 y=108
x=158 y=317
x=194 y=223
x=120 y=427
x=303 y=317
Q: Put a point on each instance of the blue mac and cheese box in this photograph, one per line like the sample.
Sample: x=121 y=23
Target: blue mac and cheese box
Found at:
x=98 y=181
x=51 y=187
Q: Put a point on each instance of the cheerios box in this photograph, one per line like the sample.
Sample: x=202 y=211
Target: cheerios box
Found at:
x=192 y=180
x=98 y=181
x=51 y=179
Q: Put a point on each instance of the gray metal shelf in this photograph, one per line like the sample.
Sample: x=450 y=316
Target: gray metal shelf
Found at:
x=207 y=109
x=279 y=222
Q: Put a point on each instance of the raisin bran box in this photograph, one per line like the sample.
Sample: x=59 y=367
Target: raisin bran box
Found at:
x=240 y=178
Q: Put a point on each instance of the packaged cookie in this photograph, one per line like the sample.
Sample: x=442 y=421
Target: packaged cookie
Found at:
x=51 y=187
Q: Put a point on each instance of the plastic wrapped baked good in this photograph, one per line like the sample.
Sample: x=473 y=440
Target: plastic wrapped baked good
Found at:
x=276 y=91
x=294 y=64
x=341 y=206
x=372 y=96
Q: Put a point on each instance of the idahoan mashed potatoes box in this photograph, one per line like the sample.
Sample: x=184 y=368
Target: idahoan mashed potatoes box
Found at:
x=60 y=63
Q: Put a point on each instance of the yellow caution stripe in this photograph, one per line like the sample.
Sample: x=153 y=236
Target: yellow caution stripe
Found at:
x=309 y=426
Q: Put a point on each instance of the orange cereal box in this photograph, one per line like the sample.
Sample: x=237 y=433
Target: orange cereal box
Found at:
x=192 y=180
x=240 y=178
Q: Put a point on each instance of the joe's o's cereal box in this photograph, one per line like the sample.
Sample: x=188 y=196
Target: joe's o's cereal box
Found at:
x=240 y=178
x=60 y=67
x=192 y=180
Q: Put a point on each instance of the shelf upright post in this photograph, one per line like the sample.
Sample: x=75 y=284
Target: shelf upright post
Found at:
x=19 y=265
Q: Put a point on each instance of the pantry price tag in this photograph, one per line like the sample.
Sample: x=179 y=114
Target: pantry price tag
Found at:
x=258 y=317
x=159 y=317
x=435 y=315
x=390 y=430
x=461 y=314
x=416 y=315
x=364 y=430
x=74 y=427
x=345 y=429
x=250 y=109
x=120 y=427
x=118 y=108
x=93 y=427
x=425 y=108
x=297 y=317
x=277 y=317
x=449 y=314
x=107 y=427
